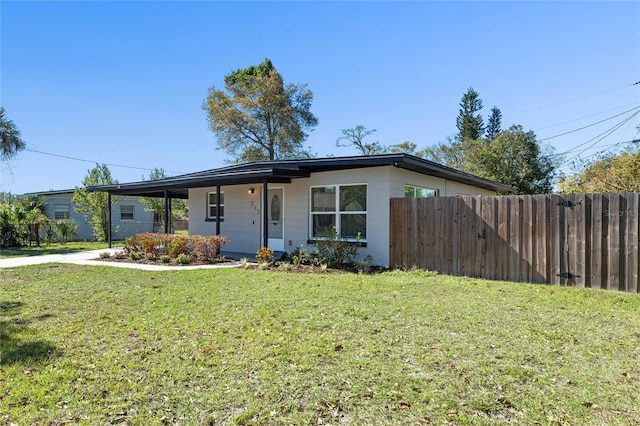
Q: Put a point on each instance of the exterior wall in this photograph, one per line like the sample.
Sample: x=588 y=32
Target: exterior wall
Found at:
x=242 y=210
x=241 y=220
x=142 y=220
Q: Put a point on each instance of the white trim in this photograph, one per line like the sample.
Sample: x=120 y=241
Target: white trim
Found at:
x=337 y=212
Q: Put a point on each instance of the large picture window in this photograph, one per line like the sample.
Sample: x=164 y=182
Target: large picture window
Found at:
x=411 y=191
x=212 y=206
x=341 y=206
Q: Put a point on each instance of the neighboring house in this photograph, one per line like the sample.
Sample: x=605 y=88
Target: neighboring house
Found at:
x=290 y=203
x=128 y=215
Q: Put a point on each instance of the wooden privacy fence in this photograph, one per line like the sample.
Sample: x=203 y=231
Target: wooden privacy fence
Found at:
x=582 y=240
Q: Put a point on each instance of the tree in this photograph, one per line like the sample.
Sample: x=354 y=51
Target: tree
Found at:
x=514 y=158
x=494 y=124
x=355 y=137
x=9 y=137
x=405 y=147
x=95 y=205
x=469 y=122
x=258 y=116
x=611 y=173
x=179 y=208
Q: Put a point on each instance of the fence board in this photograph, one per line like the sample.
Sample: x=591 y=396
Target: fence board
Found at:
x=588 y=240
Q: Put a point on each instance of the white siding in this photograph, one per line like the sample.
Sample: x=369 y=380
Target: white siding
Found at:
x=242 y=218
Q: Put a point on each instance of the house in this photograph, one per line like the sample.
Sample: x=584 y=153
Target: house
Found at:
x=129 y=216
x=286 y=204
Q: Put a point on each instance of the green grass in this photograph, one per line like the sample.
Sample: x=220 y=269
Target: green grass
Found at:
x=103 y=345
x=53 y=248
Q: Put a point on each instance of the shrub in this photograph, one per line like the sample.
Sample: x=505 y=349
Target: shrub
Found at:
x=337 y=252
x=179 y=245
x=183 y=259
x=206 y=248
x=105 y=255
x=65 y=229
x=165 y=259
x=135 y=256
x=264 y=255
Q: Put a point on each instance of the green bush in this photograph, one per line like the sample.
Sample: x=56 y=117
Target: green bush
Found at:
x=337 y=252
x=183 y=259
x=264 y=255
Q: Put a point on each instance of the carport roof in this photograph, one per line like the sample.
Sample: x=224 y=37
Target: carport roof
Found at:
x=284 y=171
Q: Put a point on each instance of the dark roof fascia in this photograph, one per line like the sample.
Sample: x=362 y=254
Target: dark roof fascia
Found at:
x=52 y=193
x=421 y=165
x=283 y=171
x=177 y=186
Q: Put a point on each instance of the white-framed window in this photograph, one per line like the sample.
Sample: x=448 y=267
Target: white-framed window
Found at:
x=412 y=191
x=126 y=212
x=341 y=206
x=212 y=205
x=61 y=211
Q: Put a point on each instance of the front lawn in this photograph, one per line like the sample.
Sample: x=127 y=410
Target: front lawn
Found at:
x=52 y=248
x=104 y=345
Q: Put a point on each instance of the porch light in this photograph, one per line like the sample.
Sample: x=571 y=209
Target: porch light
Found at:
x=251 y=190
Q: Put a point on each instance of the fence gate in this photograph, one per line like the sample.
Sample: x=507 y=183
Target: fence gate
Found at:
x=583 y=240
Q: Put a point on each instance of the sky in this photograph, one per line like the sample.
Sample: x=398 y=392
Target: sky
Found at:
x=123 y=83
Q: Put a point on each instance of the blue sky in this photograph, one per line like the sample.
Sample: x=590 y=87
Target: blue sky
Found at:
x=122 y=83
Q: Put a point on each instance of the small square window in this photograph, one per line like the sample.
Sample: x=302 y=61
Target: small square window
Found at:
x=61 y=211
x=126 y=212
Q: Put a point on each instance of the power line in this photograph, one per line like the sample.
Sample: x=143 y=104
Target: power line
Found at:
x=96 y=162
x=586 y=116
x=578 y=98
x=590 y=125
x=603 y=134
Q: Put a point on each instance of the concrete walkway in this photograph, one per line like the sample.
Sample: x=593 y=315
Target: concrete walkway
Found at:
x=90 y=258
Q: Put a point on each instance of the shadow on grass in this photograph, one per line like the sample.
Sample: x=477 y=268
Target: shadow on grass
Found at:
x=40 y=251
x=13 y=348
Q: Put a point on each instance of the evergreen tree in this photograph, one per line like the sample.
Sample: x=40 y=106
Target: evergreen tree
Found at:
x=469 y=122
x=495 y=123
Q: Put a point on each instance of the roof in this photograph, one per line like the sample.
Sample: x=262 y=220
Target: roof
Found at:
x=284 y=171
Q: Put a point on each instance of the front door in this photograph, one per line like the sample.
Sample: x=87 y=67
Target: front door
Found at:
x=275 y=212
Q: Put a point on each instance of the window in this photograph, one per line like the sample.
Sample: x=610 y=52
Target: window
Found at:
x=212 y=208
x=411 y=191
x=341 y=206
x=61 y=211
x=126 y=212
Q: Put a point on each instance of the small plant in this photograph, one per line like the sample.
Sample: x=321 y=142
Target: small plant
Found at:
x=165 y=259
x=183 y=259
x=151 y=256
x=135 y=256
x=264 y=255
x=244 y=263
x=120 y=255
x=337 y=252
x=105 y=255
x=285 y=266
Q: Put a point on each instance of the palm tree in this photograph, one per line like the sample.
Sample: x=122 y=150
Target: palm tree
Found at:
x=9 y=137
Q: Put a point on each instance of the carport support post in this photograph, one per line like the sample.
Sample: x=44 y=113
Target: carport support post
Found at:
x=265 y=216
x=167 y=213
x=217 y=210
x=109 y=217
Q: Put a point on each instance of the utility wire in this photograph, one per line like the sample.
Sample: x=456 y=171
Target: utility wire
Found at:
x=579 y=98
x=590 y=125
x=95 y=162
x=604 y=135
x=586 y=116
